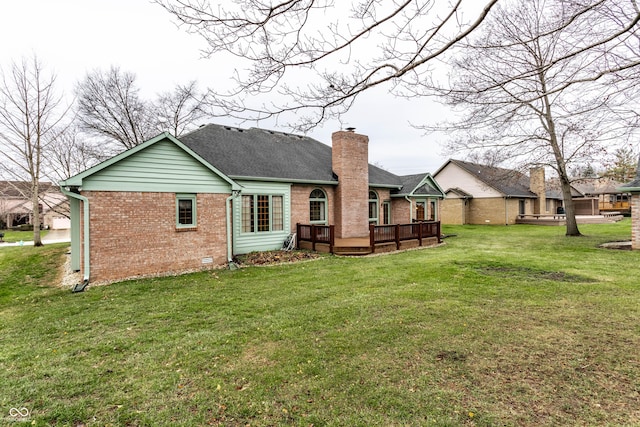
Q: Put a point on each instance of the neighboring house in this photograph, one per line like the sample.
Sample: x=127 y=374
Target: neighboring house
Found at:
x=633 y=188
x=480 y=194
x=171 y=205
x=16 y=208
x=608 y=192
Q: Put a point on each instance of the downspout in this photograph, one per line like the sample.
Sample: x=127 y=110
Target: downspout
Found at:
x=410 y=208
x=232 y=265
x=79 y=287
x=506 y=210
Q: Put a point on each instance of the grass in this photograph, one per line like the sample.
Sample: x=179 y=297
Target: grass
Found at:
x=12 y=236
x=511 y=326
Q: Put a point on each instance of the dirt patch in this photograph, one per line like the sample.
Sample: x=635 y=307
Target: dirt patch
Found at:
x=530 y=273
x=274 y=257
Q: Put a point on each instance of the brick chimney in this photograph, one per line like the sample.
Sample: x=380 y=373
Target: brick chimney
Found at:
x=537 y=185
x=350 y=158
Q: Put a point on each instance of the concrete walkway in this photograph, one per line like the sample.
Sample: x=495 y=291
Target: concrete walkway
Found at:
x=53 y=236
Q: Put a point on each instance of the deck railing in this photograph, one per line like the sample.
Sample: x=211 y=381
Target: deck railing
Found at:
x=316 y=234
x=378 y=234
x=401 y=232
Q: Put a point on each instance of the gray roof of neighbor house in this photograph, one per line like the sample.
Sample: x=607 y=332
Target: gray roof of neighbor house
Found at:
x=507 y=181
x=410 y=184
x=264 y=154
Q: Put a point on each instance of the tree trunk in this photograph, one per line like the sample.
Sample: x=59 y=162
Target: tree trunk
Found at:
x=35 y=202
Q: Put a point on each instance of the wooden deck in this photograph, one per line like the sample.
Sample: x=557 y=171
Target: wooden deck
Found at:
x=381 y=238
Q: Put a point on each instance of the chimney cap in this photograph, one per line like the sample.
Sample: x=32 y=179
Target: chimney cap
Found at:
x=350 y=129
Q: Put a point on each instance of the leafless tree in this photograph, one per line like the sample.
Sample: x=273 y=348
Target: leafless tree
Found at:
x=30 y=112
x=71 y=153
x=536 y=84
x=336 y=50
x=180 y=110
x=109 y=106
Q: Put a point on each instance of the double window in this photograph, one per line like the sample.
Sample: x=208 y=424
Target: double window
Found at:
x=318 y=207
x=186 y=211
x=262 y=213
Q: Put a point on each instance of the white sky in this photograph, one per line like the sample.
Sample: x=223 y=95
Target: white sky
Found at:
x=72 y=37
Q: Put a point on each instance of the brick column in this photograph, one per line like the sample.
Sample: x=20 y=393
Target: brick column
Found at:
x=635 y=221
x=537 y=185
x=350 y=158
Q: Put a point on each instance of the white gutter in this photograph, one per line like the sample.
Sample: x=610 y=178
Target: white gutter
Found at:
x=87 y=268
x=233 y=195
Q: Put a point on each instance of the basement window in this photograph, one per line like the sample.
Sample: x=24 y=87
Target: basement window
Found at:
x=185 y=211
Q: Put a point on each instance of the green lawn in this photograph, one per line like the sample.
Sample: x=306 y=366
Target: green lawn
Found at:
x=11 y=236
x=516 y=326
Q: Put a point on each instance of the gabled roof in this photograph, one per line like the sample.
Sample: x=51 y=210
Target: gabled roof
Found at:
x=460 y=192
x=18 y=189
x=259 y=154
x=419 y=185
x=510 y=183
x=77 y=179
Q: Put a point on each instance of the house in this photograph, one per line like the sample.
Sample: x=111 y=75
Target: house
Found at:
x=481 y=194
x=16 y=207
x=633 y=188
x=172 y=205
x=608 y=193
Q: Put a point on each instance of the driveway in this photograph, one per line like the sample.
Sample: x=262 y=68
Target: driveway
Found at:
x=53 y=236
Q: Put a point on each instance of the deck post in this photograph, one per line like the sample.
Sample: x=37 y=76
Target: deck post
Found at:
x=420 y=227
x=397 y=236
x=332 y=238
x=372 y=237
x=313 y=237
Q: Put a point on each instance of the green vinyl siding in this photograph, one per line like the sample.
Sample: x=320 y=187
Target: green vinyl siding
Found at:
x=256 y=240
x=161 y=167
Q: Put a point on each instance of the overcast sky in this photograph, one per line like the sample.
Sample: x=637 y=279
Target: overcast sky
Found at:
x=72 y=37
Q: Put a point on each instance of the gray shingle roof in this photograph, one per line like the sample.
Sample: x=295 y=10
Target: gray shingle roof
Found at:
x=410 y=184
x=264 y=154
x=507 y=181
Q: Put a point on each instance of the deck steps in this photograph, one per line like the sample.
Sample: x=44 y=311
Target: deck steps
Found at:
x=352 y=250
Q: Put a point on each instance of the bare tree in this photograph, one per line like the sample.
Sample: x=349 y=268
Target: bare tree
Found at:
x=109 y=106
x=30 y=111
x=179 y=111
x=527 y=87
x=71 y=153
x=336 y=49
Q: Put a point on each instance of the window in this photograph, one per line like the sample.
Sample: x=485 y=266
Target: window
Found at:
x=373 y=207
x=262 y=213
x=432 y=210
x=421 y=209
x=386 y=213
x=521 y=207
x=185 y=210
x=318 y=207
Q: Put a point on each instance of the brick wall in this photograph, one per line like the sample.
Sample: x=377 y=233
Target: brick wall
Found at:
x=134 y=234
x=300 y=203
x=401 y=211
x=495 y=210
x=350 y=158
x=635 y=221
